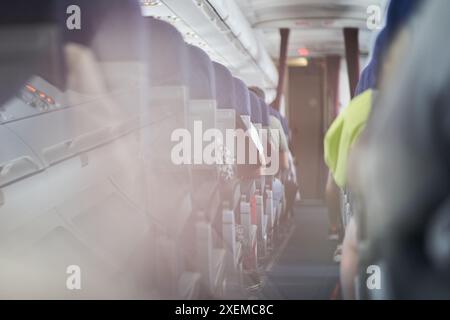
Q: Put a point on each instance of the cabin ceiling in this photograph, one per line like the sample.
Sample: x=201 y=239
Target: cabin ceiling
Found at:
x=315 y=24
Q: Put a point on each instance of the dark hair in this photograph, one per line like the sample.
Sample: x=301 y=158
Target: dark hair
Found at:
x=259 y=92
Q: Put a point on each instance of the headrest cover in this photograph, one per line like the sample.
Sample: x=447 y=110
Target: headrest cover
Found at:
x=169 y=63
x=242 y=105
x=202 y=80
x=256 y=112
x=225 y=93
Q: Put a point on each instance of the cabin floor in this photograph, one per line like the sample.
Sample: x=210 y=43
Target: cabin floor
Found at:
x=304 y=267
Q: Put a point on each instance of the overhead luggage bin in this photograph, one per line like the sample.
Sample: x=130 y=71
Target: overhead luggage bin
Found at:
x=56 y=136
x=34 y=97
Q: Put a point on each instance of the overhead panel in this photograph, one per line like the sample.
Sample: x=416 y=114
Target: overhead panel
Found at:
x=222 y=31
x=315 y=24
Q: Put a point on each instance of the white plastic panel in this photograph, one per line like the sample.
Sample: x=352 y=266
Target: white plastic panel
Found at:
x=16 y=158
x=57 y=135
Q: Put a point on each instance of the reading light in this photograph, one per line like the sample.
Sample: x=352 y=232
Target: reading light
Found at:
x=191 y=34
x=173 y=18
x=31 y=88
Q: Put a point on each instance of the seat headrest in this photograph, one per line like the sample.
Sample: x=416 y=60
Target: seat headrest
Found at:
x=202 y=80
x=256 y=112
x=113 y=29
x=264 y=113
x=169 y=61
x=30 y=44
x=225 y=92
x=242 y=104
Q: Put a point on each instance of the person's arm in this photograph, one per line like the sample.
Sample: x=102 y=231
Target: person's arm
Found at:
x=332 y=198
x=349 y=261
x=284 y=161
x=284 y=148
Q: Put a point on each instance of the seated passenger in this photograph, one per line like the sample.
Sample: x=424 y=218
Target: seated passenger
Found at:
x=406 y=183
x=256 y=119
x=346 y=130
x=275 y=124
x=280 y=141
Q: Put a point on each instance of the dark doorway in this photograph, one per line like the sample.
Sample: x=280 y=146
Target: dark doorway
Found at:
x=306 y=117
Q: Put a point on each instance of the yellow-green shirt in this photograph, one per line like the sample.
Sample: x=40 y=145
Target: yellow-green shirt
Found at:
x=343 y=133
